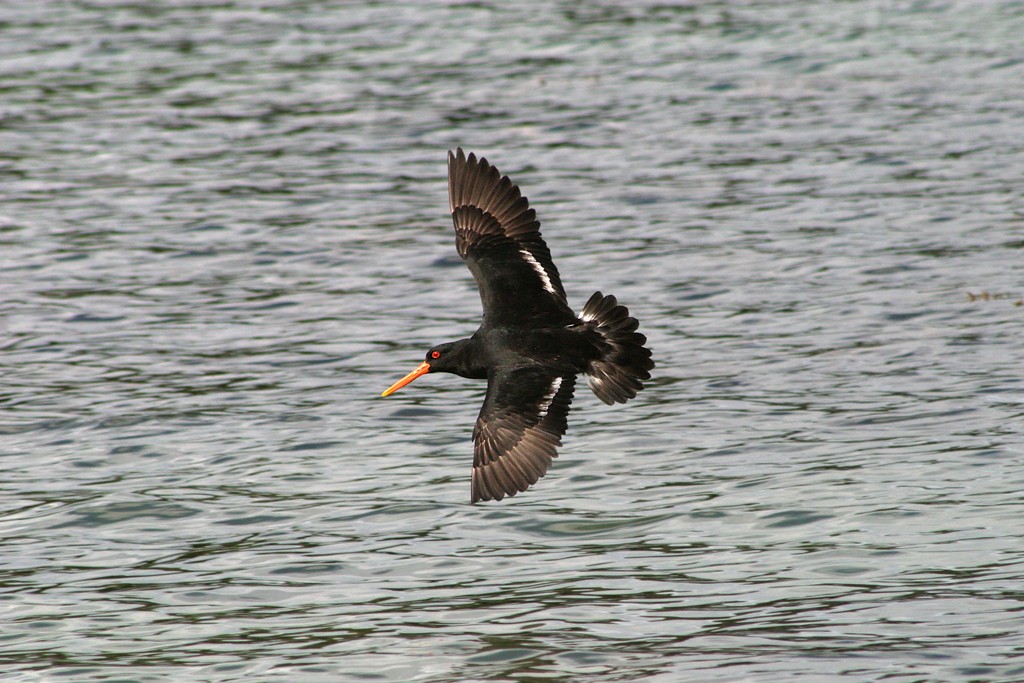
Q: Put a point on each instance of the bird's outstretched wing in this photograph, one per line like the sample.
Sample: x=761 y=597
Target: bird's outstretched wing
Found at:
x=519 y=430
x=498 y=236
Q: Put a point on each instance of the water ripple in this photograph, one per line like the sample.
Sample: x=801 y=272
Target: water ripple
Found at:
x=224 y=234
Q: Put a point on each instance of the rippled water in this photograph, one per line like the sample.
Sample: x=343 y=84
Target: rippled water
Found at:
x=224 y=232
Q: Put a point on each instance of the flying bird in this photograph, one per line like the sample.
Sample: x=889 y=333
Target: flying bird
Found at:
x=530 y=345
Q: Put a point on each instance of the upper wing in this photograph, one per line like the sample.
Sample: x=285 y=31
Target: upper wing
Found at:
x=498 y=236
x=519 y=430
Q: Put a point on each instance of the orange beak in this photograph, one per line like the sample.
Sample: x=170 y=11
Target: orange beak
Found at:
x=423 y=369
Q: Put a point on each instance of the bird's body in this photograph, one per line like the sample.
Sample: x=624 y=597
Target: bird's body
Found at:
x=530 y=345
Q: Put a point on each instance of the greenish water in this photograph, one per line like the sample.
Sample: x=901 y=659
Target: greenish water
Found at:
x=224 y=231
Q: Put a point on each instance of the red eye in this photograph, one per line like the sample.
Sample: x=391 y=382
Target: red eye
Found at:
x=435 y=354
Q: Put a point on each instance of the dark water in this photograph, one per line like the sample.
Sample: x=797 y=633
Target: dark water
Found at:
x=224 y=232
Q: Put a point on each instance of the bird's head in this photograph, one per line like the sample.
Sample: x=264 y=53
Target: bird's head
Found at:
x=447 y=357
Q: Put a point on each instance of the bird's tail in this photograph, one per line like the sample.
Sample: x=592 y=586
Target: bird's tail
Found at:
x=617 y=375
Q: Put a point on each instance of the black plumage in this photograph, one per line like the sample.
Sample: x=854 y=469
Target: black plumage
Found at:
x=530 y=345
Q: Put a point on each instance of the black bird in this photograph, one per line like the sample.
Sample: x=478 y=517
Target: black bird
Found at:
x=530 y=345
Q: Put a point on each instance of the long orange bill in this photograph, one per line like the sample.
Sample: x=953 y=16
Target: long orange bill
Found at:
x=423 y=369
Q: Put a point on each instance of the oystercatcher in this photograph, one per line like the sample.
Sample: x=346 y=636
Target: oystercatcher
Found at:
x=530 y=345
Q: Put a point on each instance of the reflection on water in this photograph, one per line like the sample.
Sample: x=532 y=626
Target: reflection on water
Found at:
x=224 y=231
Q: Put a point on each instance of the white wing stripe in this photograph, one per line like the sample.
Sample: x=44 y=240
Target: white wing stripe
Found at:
x=535 y=264
x=550 y=396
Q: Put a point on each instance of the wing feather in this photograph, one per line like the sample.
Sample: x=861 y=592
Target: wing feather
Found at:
x=519 y=430
x=498 y=236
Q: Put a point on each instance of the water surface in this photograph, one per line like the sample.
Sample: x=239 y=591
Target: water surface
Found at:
x=224 y=232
